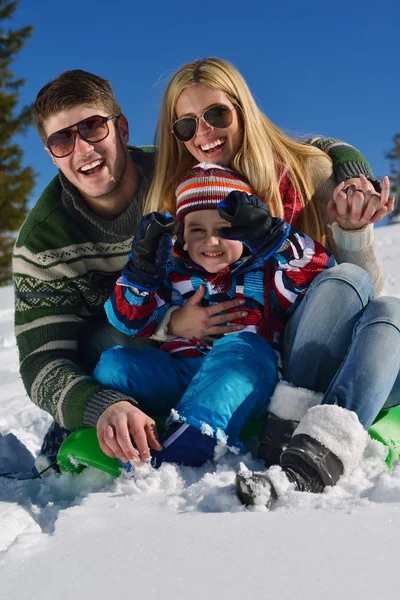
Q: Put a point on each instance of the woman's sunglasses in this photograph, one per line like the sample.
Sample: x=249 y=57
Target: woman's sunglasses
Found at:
x=94 y=129
x=218 y=116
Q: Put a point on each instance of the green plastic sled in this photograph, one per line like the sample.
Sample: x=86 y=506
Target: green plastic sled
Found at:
x=81 y=448
x=386 y=429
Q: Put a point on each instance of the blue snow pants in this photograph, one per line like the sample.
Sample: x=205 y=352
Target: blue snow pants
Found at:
x=223 y=389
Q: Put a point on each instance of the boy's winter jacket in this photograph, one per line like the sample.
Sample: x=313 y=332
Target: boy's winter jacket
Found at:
x=272 y=289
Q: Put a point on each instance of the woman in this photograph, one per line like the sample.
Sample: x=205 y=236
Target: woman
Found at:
x=244 y=139
x=208 y=114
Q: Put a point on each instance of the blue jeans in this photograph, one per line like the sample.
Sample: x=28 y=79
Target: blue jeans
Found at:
x=345 y=344
x=224 y=389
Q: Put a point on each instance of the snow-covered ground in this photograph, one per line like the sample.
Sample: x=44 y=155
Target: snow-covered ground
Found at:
x=181 y=532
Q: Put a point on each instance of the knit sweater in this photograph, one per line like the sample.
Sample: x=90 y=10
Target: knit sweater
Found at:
x=66 y=261
x=271 y=289
x=358 y=246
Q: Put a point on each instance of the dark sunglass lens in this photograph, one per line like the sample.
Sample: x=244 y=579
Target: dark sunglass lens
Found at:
x=61 y=143
x=219 y=116
x=185 y=128
x=94 y=129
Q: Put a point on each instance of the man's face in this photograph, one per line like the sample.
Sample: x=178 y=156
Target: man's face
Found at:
x=96 y=169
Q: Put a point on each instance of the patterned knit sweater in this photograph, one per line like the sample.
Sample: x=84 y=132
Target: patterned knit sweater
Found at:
x=66 y=261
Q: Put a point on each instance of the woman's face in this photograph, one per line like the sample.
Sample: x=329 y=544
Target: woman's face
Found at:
x=210 y=144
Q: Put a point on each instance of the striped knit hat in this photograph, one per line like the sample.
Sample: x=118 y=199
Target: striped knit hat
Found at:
x=204 y=186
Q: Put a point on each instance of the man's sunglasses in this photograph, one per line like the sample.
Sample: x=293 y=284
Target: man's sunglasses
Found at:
x=94 y=129
x=218 y=116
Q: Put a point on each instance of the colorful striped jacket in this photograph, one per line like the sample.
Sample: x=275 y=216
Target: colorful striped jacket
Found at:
x=272 y=289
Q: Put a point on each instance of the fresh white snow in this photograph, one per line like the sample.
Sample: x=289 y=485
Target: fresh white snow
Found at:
x=181 y=532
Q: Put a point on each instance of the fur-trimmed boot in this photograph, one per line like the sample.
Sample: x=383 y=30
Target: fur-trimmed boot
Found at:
x=328 y=443
x=288 y=406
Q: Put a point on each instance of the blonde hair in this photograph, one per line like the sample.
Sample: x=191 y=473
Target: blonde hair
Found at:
x=265 y=156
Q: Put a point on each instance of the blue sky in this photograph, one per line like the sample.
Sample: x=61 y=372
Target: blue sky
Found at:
x=314 y=66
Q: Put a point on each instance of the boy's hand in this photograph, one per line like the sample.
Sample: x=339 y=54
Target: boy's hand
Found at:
x=194 y=320
x=151 y=250
x=252 y=224
x=119 y=424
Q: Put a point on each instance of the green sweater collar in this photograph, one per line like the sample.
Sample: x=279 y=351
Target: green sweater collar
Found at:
x=123 y=226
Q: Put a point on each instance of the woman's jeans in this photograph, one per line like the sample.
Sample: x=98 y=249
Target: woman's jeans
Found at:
x=222 y=390
x=345 y=344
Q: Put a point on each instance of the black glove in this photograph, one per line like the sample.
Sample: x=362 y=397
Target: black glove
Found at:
x=151 y=250
x=252 y=224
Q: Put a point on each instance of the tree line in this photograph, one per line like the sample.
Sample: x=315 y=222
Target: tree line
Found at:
x=17 y=181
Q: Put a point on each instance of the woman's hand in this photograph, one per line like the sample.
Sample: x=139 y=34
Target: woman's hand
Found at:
x=196 y=321
x=355 y=203
x=119 y=424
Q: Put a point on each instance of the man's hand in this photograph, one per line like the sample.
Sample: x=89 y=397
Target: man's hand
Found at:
x=118 y=424
x=355 y=203
x=196 y=321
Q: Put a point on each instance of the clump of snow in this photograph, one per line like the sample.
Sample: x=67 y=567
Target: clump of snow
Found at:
x=175 y=416
x=206 y=429
x=291 y=403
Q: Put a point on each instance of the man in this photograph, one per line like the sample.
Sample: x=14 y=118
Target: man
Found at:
x=68 y=255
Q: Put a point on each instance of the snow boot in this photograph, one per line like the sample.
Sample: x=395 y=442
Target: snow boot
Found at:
x=275 y=436
x=328 y=443
x=182 y=444
x=46 y=461
x=287 y=407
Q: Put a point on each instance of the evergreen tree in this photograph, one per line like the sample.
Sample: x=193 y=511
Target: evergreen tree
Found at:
x=394 y=157
x=16 y=182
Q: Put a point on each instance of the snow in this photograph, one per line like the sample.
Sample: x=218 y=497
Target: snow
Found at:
x=181 y=532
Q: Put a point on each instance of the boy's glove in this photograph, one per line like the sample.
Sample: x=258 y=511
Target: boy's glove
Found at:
x=151 y=250
x=252 y=224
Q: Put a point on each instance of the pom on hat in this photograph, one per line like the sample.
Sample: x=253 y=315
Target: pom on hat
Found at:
x=204 y=186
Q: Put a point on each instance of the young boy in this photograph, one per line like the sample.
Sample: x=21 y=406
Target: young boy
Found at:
x=228 y=242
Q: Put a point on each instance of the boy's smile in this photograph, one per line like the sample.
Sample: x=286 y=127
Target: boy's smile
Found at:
x=203 y=244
